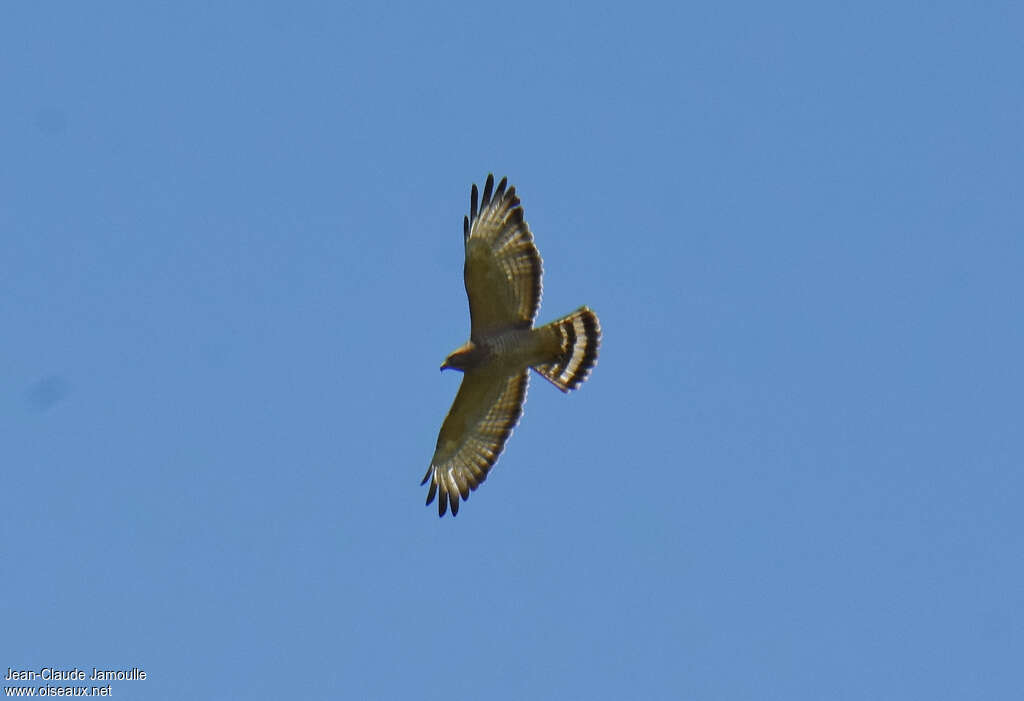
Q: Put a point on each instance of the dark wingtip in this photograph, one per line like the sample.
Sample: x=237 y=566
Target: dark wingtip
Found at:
x=488 y=189
x=473 y=195
x=465 y=229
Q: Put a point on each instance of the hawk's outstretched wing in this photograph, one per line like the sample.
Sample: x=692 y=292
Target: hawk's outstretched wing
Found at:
x=486 y=409
x=503 y=268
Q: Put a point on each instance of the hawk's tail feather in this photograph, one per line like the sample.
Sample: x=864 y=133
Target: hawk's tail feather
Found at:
x=580 y=337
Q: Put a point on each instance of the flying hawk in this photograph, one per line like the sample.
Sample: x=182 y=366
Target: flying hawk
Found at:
x=502 y=274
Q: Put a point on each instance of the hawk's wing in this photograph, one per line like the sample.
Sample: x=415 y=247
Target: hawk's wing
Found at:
x=503 y=267
x=486 y=409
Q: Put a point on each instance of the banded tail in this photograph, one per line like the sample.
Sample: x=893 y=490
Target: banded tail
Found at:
x=579 y=335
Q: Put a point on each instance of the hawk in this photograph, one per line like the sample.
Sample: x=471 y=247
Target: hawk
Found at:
x=503 y=283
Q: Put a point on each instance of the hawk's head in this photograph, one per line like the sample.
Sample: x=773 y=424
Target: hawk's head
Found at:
x=464 y=357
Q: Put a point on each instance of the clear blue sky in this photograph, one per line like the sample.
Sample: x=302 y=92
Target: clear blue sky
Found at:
x=231 y=264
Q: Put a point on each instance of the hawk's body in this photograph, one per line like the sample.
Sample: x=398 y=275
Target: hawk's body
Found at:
x=503 y=283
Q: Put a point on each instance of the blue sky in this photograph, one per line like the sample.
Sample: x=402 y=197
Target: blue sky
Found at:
x=230 y=266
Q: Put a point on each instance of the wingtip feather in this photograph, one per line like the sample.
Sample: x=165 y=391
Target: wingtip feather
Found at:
x=488 y=189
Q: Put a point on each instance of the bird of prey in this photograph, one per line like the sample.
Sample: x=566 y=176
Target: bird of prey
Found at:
x=503 y=283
